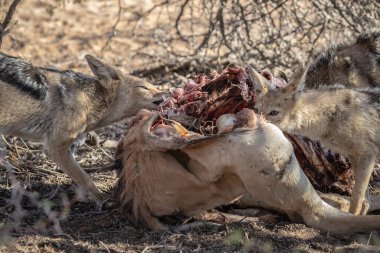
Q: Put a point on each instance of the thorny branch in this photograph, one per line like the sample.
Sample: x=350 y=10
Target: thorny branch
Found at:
x=180 y=15
x=263 y=33
x=3 y=25
x=113 y=30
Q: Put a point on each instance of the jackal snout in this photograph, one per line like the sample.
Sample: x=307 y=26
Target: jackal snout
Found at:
x=130 y=93
x=147 y=95
x=140 y=94
x=158 y=98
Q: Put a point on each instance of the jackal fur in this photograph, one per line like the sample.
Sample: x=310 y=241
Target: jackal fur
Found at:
x=55 y=107
x=354 y=64
x=345 y=120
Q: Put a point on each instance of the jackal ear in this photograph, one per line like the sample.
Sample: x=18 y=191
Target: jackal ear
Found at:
x=260 y=82
x=297 y=82
x=107 y=75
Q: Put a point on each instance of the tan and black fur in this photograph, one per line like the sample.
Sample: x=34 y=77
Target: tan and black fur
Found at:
x=355 y=64
x=55 y=107
x=345 y=120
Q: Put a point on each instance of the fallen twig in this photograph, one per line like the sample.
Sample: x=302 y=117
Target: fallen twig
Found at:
x=101 y=168
x=231 y=218
x=148 y=248
x=197 y=224
x=105 y=246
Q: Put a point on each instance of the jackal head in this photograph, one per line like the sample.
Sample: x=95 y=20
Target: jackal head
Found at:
x=276 y=105
x=128 y=94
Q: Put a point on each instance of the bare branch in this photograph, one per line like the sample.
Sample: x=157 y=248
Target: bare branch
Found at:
x=264 y=33
x=3 y=25
x=180 y=14
x=113 y=29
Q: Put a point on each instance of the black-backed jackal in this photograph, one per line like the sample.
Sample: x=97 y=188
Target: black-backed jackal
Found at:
x=55 y=107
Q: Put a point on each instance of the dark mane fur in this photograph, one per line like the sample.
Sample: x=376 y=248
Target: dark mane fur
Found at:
x=32 y=79
x=360 y=58
x=23 y=75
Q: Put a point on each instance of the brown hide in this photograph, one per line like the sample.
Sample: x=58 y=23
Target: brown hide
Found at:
x=171 y=175
x=159 y=183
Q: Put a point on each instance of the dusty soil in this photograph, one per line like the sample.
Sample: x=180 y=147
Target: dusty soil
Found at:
x=40 y=209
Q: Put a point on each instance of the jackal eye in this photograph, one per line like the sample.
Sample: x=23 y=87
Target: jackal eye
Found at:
x=273 y=113
x=143 y=87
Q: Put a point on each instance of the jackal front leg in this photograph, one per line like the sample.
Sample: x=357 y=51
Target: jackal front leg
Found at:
x=63 y=157
x=363 y=167
x=3 y=152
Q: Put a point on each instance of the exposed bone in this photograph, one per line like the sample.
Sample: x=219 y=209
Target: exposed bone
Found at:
x=226 y=123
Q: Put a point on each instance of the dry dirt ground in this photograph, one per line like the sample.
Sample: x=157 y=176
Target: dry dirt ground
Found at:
x=40 y=209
